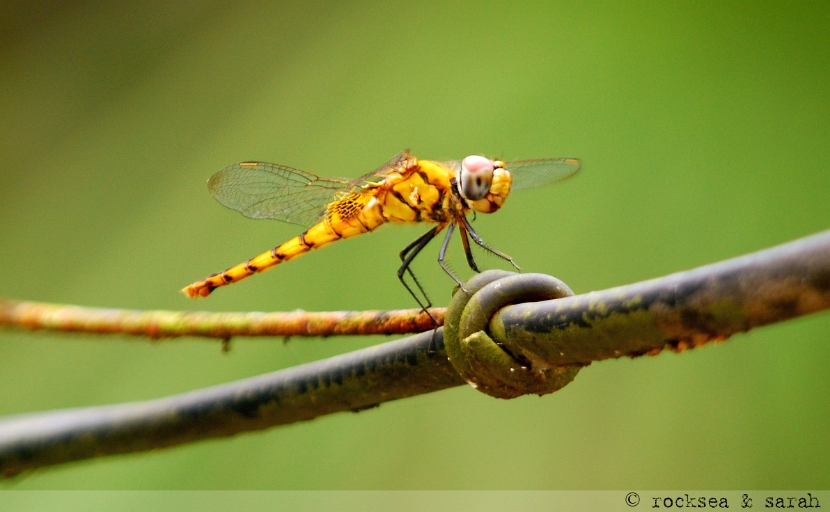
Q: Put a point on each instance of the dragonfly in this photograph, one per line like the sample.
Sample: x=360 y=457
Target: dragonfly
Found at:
x=403 y=190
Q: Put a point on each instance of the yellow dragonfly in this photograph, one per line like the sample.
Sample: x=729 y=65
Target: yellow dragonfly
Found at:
x=404 y=190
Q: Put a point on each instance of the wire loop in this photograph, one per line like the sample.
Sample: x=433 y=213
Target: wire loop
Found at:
x=486 y=364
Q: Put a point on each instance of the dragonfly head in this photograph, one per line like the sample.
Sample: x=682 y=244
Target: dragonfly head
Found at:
x=475 y=177
x=484 y=183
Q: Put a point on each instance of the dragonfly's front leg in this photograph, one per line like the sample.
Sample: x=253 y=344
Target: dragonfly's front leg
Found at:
x=477 y=239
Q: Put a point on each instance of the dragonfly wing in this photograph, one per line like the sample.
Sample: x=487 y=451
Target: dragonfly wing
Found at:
x=399 y=161
x=261 y=190
x=541 y=171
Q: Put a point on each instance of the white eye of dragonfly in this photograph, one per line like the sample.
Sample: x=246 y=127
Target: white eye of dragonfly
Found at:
x=475 y=177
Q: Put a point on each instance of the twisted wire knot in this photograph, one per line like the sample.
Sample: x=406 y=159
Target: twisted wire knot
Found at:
x=487 y=365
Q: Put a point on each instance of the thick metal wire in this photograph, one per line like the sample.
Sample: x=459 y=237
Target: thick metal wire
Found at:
x=349 y=382
x=677 y=311
x=482 y=362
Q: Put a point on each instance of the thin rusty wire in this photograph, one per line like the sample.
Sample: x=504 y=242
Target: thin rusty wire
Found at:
x=173 y=324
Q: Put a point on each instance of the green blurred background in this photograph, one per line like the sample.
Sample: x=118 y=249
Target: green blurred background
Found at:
x=704 y=128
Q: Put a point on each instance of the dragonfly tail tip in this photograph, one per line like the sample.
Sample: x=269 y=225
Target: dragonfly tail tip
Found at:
x=194 y=292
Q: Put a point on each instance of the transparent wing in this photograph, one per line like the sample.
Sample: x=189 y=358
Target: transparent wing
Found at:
x=261 y=190
x=401 y=160
x=541 y=171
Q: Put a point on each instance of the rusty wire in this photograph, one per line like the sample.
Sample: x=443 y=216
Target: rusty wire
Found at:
x=173 y=324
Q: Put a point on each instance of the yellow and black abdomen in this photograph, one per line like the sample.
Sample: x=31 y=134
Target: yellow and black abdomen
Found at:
x=349 y=216
x=353 y=215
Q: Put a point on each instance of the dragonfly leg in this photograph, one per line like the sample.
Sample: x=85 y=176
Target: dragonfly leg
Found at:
x=465 y=241
x=477 y=239
x=443 y=252
x=429 y=235
x=407 y=255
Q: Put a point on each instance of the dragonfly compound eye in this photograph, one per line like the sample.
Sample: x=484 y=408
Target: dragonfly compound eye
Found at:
x=475 y=177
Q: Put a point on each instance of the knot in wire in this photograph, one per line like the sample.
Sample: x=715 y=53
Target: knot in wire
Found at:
x=488 y=365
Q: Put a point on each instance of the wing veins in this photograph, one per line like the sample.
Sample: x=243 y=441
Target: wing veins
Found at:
x=541 y=171
x=261 y=190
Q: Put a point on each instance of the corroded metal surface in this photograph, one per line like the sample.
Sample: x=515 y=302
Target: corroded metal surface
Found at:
x=349 y=382
x=678 y=311
x=172 y=324
x=487 y=366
